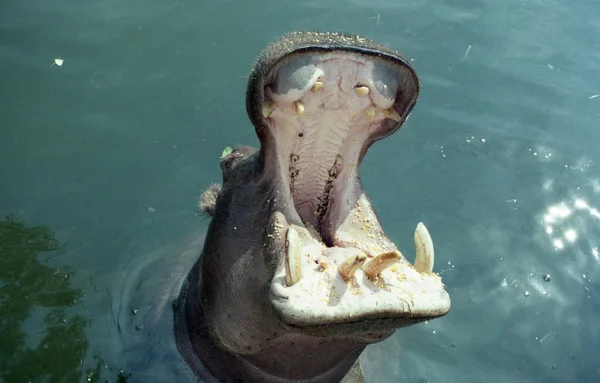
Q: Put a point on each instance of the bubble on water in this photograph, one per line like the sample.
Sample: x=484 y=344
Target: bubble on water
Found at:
x=547 y=277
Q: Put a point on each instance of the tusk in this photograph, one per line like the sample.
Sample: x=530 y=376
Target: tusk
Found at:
x=424 y=249
x=299 y=107
x=317 y=86
x=268 y=108
x=353 y=263
x=293 y=257
x=380 y=263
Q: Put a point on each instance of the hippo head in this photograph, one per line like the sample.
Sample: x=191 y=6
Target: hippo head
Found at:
x=297 y=275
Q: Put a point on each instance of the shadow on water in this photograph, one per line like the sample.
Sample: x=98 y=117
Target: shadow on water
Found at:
x=40 y=339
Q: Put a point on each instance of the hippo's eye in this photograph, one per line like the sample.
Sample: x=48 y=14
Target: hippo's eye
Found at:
x=227 y=164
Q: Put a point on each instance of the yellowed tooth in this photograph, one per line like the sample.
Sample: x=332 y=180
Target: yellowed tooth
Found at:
x=349 y=267
x=268 y=108
x=374 y=267
x=370 y=111
x=361 y=91
x=293 y=257
x=324 y=265
x=424 y=250
x=317 y=86
x=392 y=114
x=299 y=107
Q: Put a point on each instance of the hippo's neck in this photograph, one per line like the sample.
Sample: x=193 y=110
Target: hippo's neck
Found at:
x=319 y=359
x=284 y=356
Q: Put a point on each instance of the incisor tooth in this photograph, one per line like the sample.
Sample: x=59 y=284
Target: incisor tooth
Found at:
x=323 y=263
x=392 y=114
x=268 y=108
x=370 y=111
x=317 y=86
x=374 y=267
x=361 y=91
x=424 y=249
x=299 y=107
x=349 y=267
x=293 y=257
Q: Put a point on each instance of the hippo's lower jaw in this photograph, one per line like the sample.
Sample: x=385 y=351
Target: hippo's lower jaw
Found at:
x=347 y=289
x=322 y=107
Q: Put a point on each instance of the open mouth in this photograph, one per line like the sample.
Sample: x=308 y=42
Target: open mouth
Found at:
x=322 y=106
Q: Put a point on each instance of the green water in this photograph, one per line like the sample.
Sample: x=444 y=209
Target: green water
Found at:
x=102 y=160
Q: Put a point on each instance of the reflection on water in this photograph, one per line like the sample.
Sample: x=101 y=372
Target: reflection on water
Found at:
x=41 y=340
x=565 y=221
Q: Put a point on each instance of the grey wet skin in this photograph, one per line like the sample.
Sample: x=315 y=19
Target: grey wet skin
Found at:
x=208 y=198
x=245 y=313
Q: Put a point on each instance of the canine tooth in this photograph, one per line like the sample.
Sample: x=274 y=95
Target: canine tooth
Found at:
x=424 y=249
x=392 y=114
x=361 y=91
x=293 y=257
x=268 y=108
x=374 y=267
x=349 y=267
x=317 y=86
x=299 y=107
x=370 y=111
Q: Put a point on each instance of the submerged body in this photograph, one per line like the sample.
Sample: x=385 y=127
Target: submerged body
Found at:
x=297 y=276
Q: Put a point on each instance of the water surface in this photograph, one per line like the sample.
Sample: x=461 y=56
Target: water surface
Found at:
x=102 y=160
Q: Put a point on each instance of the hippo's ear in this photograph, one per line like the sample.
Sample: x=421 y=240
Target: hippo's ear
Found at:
x=208 y=200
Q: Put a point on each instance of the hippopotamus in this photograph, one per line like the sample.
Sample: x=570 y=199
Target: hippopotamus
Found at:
x=296 y=275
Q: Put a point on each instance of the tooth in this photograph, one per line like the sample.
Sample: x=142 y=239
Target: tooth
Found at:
x=424 y=247
x=379 y=263
x=323 y=263
x=317 y=86
x=268 y=108
x=293 y=257
x=392 y=114
x=299 y=106
x=361 y=91
x=353 y=263
x=370 y=111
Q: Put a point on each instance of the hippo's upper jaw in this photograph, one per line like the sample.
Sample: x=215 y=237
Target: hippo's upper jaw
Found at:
x=318 y=101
